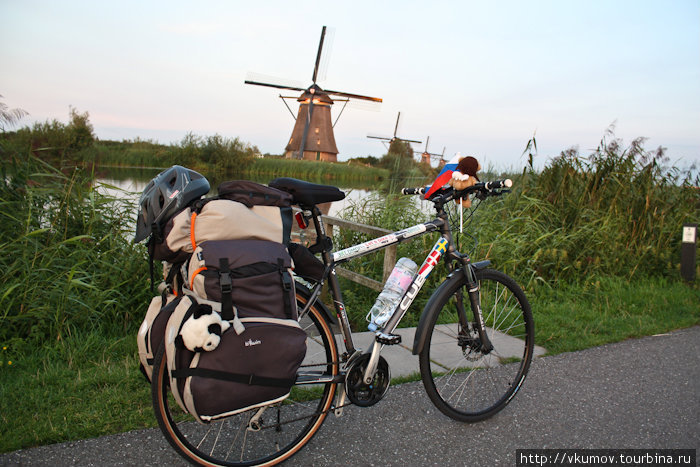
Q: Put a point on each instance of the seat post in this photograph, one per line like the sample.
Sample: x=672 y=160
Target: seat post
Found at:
x=324 y=245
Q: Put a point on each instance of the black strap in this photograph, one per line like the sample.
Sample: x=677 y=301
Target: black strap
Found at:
x=251 y=380
x=249 y=270
x=151 y=248
x=286 y=215
x=198 y=205
x=226 y=285
x=156 y=237
x=286 y=287
x=170 y=279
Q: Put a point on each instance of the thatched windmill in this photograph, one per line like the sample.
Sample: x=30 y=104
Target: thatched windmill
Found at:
x=387 y=140
x=313 y=130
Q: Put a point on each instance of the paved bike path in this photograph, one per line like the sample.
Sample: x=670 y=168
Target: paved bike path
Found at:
x=641 y=393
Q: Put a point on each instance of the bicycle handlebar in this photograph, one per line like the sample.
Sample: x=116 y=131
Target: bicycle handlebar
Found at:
x=450 y=193
x=413 y=191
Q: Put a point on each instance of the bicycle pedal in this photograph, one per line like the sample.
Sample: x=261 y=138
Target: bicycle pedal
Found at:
x=388 y=339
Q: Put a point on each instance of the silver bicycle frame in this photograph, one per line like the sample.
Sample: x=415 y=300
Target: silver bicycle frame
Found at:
x=404 y=304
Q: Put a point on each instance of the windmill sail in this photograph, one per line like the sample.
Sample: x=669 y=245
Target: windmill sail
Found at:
x=312 y=136
x=386 y=139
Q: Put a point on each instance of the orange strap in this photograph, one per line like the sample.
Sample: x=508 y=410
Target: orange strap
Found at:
x=203 y=268
x=194 y=244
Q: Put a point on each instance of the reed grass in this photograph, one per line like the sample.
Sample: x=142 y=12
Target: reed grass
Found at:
x=616 y=212
x=65 y=260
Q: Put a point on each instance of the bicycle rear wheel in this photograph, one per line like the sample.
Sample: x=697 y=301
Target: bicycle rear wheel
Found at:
x=281 y=429
x=463 y=381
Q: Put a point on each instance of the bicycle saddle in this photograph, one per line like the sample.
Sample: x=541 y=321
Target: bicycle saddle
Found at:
x=305 y=193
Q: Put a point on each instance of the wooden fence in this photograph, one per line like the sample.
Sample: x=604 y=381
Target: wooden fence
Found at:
x=309 y=235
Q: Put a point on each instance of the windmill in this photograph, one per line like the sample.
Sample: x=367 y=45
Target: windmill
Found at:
x=389 y=140
x=426 y=157
x=312 y=137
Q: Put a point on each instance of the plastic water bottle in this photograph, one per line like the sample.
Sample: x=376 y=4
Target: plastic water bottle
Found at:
x=396 y=285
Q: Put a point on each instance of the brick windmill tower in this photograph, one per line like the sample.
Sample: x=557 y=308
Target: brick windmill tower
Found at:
x=427 y=157
x=313 y=130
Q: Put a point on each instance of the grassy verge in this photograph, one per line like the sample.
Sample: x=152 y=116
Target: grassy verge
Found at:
x=611 y=309
x=90 y=385
x=85 y=387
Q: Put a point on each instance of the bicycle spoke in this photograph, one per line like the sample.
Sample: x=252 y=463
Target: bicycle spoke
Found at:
x=463 y=381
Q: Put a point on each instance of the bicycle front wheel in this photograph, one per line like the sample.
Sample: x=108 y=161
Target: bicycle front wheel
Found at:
x=465 y=382
x=264 y=436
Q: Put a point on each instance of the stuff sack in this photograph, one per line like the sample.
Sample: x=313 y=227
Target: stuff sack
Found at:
x=242 y=210
x=152 y=330
x=254 y=368
x=252 y=275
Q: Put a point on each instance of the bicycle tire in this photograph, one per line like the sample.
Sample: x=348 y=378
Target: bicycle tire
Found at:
x=461 y=380
x=292 y=423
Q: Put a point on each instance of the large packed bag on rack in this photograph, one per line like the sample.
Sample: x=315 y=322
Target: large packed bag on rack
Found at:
x=242 y=210
x=228 y=273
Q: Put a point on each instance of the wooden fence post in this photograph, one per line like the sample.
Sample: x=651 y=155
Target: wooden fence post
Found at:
x=331 y=222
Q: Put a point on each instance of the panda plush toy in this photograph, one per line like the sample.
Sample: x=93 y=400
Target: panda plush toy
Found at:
x=202 y=331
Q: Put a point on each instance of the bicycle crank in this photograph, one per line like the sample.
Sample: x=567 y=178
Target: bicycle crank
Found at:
x=361 y=393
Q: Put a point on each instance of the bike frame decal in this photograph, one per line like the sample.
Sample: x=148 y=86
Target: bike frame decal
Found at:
x=379 y=243
x=434 y=257
x=429 y=264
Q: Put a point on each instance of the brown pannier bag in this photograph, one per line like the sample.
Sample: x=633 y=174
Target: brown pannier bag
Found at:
x=248 y=370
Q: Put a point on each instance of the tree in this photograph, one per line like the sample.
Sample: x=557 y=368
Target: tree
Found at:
x=80 y=130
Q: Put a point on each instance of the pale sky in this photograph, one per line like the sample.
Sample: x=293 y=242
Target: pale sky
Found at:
x=478 y=77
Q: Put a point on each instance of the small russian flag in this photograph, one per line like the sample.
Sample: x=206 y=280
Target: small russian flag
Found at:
x=444 y=176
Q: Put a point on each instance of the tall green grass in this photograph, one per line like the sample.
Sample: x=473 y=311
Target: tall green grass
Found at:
x=213 y=153
x=618 y=211
x=66 y=264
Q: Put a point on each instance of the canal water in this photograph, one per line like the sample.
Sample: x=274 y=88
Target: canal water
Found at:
x=130 y=182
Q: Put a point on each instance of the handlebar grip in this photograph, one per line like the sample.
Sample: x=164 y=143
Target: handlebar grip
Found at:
x=496 y=184
x=413 y=191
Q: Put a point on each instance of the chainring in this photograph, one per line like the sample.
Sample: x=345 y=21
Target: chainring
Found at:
x=360 y=393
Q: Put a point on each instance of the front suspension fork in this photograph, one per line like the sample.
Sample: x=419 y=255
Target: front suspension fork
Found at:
x=475 y=302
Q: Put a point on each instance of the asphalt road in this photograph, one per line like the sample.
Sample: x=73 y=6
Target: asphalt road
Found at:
x=642 y=394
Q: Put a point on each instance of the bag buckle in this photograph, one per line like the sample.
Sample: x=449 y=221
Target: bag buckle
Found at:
x=225 y=282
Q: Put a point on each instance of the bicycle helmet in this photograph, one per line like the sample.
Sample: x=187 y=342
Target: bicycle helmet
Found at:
x=169 y=192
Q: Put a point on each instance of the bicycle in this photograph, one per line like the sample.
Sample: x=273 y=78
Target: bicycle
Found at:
x=471 y=365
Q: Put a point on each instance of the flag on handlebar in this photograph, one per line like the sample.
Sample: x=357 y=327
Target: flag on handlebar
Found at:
x=444 y=176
